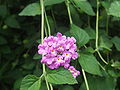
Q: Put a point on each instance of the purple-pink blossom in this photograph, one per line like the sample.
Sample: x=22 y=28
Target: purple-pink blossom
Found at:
x=74 y=72
x=58 y=51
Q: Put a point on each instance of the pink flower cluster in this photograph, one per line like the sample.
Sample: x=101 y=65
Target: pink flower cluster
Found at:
x=58 y=51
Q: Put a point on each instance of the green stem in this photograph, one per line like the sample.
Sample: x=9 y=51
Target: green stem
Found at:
x=47 y=83
x=97 y=18
x=86 y=82
x=48 y=25
x=97 y=32
x=46 y=32
x=42 y=37
x=68 y=9
x=101 y=57
x=42 y=20
x=51 y=86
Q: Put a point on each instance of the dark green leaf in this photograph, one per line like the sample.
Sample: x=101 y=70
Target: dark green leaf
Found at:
x=66 y=88
x=30 y=82
x=31 y=10
x=51 y=2
x=3 y=10
x=106 y=5
x=89 y=63
x=116 y=41
x=91 y=33
x=2 y=40
x=81 y=36
x=37 y=56
x=61 y=76
x=98 y=83
x=105 y=43
x=85 y=6
x=12 y=22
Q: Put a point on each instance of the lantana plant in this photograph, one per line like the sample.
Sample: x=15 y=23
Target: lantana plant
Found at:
x=66 y=56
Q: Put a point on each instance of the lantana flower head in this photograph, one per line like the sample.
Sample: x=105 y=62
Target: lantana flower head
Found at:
x=58 y=51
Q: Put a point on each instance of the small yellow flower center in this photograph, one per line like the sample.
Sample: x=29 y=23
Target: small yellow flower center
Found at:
x=60 y=47
x=53 y=51
x=67 y=54
x=59 y=59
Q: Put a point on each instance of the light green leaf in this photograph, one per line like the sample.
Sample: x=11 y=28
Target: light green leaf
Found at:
x=116 y=41
x=85 y=6
x=81 y=36
x=114 y=9
x=51 y=2
x=61 y=76
x=12 y=22
x=30 y=82
x=105 y=43
x=89 y=63
x=31 y=10
x=116 y=64
x=2 y=40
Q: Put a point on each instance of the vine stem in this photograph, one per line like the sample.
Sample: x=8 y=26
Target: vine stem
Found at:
x=97 y=33
x=97 y=18
x=86 y=83
x=101 y=57
x=71 y=22
x=42 y=37
x=47 y=24
x=51 y=86
x=68 y=9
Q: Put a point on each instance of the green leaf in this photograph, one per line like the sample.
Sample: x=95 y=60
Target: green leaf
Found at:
x=114 y=72
x=12 y=22
x=89 y=63
x=30 y=82
x=51 y=2
x=91 y=33
x=5 y=49
x=116 y=64
x=106 y=5
x=75 y=15
x=67 y=87
x=3 y=10
x=114 y=9
x=37 y=56
x=31 y=10
x=85 y=6
x=116 y=41
x=81 y=36
x=105 y=43
x=100 y=83
x=2 y=40
x=17 y=84
x=61 y=76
